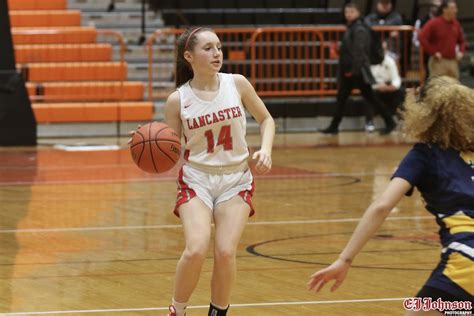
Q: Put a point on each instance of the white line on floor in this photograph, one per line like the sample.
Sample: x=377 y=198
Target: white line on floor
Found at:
x=173 y=226
x=206 y=306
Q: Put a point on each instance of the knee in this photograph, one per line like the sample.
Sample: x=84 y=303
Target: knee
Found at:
x=195 y=253
x=224 y=256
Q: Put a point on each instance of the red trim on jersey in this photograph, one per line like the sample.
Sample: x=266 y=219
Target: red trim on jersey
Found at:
x=247 y=197
x=186 y=154
x=185 y=193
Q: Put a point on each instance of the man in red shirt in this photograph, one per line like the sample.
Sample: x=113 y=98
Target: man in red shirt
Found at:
x=443 y=39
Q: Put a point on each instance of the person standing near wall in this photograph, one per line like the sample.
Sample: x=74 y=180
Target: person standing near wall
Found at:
x=354 y=70
x=443 y=39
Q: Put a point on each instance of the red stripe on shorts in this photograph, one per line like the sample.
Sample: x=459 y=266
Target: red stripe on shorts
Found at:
x=185 y=193
x=247 y=197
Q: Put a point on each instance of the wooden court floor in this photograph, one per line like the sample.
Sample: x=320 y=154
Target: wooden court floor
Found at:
x=87 y=233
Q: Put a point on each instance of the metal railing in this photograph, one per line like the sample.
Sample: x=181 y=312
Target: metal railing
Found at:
x=284 y=61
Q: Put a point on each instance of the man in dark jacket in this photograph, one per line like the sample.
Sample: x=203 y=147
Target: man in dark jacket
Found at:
x=384 y=14
x=354 y=70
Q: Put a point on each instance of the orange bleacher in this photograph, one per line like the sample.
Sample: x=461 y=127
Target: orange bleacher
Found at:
x=56 y=35
x=37 y=4
x=91 y=91
x=92 y=112
x=30 y=18
x=89 y=71
x=63 y=53
x=70 y=77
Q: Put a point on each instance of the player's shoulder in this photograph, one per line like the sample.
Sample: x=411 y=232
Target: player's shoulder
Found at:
x=238 y=78
x=241 y=82
x=173 y=100
x=173 y=97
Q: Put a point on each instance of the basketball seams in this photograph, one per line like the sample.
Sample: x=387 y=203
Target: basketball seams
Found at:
x=163 y=152
x=143 y=148
x=161 y=136
x=158 y=140
x=158 y=131
x=151 y=150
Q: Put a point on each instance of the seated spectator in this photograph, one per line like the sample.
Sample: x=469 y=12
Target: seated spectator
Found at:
x=388 y=84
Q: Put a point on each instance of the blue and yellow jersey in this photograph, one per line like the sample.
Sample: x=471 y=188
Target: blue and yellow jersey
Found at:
x=445 y=179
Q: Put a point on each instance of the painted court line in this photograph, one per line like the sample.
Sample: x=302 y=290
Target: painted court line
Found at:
x=173 y=226
x=173 y=178
x=118 y=310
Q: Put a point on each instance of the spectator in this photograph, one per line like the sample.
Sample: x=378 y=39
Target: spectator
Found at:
x=388 y=84
x=354 y=69
x=433 y=12
x=443 y=39
x=385 y=15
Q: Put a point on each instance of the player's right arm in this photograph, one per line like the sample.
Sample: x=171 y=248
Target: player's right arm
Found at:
x=370 y=222
x=173 y=112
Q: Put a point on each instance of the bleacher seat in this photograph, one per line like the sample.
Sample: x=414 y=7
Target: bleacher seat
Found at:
x=37 y=5
x=266 y=18
x=209 y=18
x=279 y=4
x=216 y=4
x=90 y=91
x=298 y=18
x=35 y=18
x=246 y=4
x=250 y=16
x=310 y=3
x=107 y=71
x=239 y=18
x=92 y=112
x=56 y=35
x=63 y=53
x=192 y=4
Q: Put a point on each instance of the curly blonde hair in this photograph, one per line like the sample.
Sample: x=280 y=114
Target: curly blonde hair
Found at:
x=442 y=113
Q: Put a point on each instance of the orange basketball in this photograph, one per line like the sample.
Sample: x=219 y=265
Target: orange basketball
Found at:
x=155 y=147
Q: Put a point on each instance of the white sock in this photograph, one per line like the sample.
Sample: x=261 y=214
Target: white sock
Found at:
x=180 y=307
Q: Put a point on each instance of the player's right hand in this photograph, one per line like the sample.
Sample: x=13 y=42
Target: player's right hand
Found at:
x=131 y=133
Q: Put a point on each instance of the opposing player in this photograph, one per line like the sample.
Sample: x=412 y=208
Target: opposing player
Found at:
x=441 y=167
x=215 y=183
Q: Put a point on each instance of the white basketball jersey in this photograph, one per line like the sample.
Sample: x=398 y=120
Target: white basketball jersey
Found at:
x=214 y=130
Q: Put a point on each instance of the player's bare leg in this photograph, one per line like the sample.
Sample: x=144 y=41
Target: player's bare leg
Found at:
x=230 y=218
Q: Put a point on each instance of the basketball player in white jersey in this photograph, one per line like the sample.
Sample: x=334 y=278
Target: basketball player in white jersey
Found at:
x=215 y=183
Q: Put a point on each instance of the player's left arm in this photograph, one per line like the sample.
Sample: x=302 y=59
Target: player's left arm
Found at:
x=257 y=109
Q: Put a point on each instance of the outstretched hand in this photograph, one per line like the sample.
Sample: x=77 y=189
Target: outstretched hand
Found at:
x=336 y=271
x=264 y=161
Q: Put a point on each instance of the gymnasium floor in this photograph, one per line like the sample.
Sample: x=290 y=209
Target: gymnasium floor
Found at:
x=89 y=233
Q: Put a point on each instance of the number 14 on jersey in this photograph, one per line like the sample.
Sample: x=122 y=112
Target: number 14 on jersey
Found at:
x=225 y=139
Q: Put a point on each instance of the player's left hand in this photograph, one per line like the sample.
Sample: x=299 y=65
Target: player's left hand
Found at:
x=336 y=271
x=264 y=161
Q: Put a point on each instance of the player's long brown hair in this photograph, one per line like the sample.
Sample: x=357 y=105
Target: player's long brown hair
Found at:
x=441 y=113
x=186 y=42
